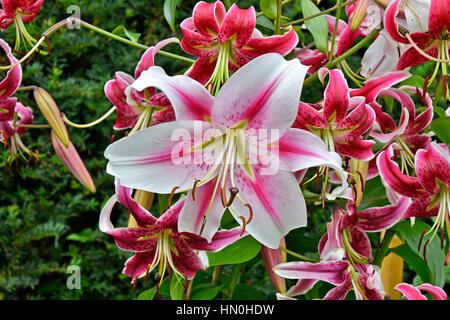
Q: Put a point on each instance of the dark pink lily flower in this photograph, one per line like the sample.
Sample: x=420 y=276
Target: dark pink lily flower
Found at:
x=428 y=26
x=225 y=41
x=157 y=241
x=429 y=189
x=140 y=105
x=345 y=253
x=13 y=78
x=342 y=120
x=413 y=293
x=18 y=10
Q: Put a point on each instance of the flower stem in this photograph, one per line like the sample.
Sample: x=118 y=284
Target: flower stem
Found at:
x=333 y=38
x=297 y=255
x=235 y=273
x=388 y=236
x=278 y=19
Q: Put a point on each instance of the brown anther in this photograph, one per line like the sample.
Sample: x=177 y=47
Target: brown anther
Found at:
x=194 y=188
x=146 y=275
x=157 y=277
x=421 y=238
x=157 y=291
x=250 y=213
x=169 y=201
x=244 y=224
x=444 y=86
x=425 y=251
x=233 y=192
x=126 y=134
x=170 y=274
x=442 y=238
x=361 y=180
x=112 y=138
x=134 y=285
x=49 y=49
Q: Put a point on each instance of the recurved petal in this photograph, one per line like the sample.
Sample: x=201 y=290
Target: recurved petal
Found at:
x=433 y=165
x=208 y=17
x=256 y=91
x=336 y=95
x=220 y=240
x=184 y=259
x=239 y=23
x=439 y=17
x=394 y=178
x=436 y=292
x=390 y=25
x=307 y=117
x=334 y=272
x=137 y=265
x=13 y=78
x=190 y=100
x=410 y=292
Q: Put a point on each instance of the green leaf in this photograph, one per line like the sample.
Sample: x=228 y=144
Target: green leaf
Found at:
x=240 y=251
x=148 y=294
x=414 y=260
x=435 y=255
x=123 y=32
x=176 y=289
x=317 y=26
x=265 y=22
x=440 y=128
x=414 y=81
x=205 y=291
x=84 y=236
x=269 y=8
x=169 y=12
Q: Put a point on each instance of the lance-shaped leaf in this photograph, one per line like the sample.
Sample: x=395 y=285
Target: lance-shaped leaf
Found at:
x=317 y=26
x=51 y=112
x=69 y=156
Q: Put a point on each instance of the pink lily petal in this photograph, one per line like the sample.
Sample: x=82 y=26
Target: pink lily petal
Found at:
x=299 y=149
x=7 y=106
x=281 y=44
x=377 y=219
x=239 y=23
x=373 y=87
x=220 y=240
x=148 y=57
x=302 y=287
x=307 y=116
x=381 y=116
x=370 y=293
x=255 y=93
x=184 y=258
x=208 y=17
x=137 y=265
x=361 y=243
x=331 y=240
x=410 y=292
x=390 y=24
x=194 y=212
x=420 y=208
x=169 y=220
x=158 y=158
x=25 y=117
x=439 y=17
x=336 y=96
x=190 y=100
x=276 y=201
x=418 y=142
x=412 y=57
x=420 y=122
x=195 y=43
x=431 y=165
x=13 y=78
x=346 y=39
x=436 y=292
x=334 y=272
x=202 y=69
x=314 y=58
x=394 y=178
x=340 y=292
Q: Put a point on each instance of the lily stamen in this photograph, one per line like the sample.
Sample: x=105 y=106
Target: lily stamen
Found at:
x=233 y=192
x=250 y=217
x=169 y=201
x=194 y=188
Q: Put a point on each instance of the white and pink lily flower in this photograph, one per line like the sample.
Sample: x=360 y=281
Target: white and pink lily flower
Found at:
x=157 y=241
x=225 y=40
x=429 y=189
x=428 y=26
x=345 y=253
x=142 y=107
x=340 y=129
x=414 y=293
x=240 y=141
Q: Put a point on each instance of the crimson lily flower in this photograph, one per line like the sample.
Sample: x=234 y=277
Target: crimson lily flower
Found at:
x=427 y=32
x=430 y=189
x=157 y=241
x=19 y=12
x=225 y=41
x=413 y=293
x=345 y=251
x=135 y=112
x=239 y=141
x=341 y=131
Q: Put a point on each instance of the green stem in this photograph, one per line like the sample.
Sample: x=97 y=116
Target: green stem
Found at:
x=333 y=38
x=278 y=19
x=342 y=57
x=318 y=14
x=235 y=273
x=216 y=274
x=297 y=255
x=388 y=236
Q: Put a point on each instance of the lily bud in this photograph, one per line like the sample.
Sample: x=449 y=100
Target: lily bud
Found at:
x=271 y=258
x=359 y=169
x=69 y=156
x=51 y=112
x=359 y=14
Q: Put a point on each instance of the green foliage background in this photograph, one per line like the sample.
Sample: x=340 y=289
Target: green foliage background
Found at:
x=48 y=221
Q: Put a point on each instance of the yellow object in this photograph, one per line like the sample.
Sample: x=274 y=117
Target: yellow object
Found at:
x=392 y=271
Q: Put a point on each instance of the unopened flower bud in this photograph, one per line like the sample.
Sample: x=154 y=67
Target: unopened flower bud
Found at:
x=359 y=14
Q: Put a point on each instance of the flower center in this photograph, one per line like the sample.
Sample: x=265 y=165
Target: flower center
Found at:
x=221 y=72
